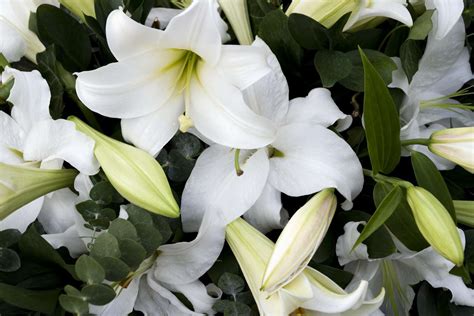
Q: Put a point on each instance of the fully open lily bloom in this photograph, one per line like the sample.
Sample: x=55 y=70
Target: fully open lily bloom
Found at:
x=30 y=136
x=305 y=158
x=328 y=12
x=456 y=145
x=310 y=293
x=447 y=11
x=428 y=105
x=182 y=77
x=397 y=272
x=16 y=38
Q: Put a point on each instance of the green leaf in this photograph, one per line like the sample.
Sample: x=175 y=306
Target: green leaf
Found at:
x=381 y=215
x=103 y=9
x=188 y=145
x=428 y=177
x=231 y=284
x=9 y=237
x=309 y=33
x=150 y=238
x=137 y=215
x=178 y=167
x=122 y=229
x=115 y=269
x=332 y=66
x=410 y=54
x=402 y=223
x=70 y=39
x=382 y=63
x=89 y=270
x=274 y=31
x=73 y=304
x=106 y=245
x=232 y=308
x=33 y=246
x=429 y=302
x=47 y=66
x=98 y=294
x=96 y=215
x=9 y=260
x=382 y=124
x=39 y=301
x=132 y=253
x=104 y=193
x=5 y=88
x=422 y=26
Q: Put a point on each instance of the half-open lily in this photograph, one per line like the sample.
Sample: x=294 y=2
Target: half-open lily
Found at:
x=31 y=137
x=17 y=39
x=397 y=272
x=328 y=12
x=428 y=105
x=181 y=77
x=310 y=292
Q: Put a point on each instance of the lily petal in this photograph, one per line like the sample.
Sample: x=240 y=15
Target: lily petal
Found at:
x=318 y=108
x=199 y=29
x=269 y=96
x=185 y=262
x=11 y=137
x=146 y=81
x=311 y=160
x=448 y=13
x=122 y=304
x=22 y=217
x=57 y=213
x=127 y=38
x=12 y=44
x=49 y=140
x=220 y=113
x=399 y=78
x=153 y=131
x=70 y=239
x=196 y=293
x=267 y=213
x=30 y=96
x=214 y=183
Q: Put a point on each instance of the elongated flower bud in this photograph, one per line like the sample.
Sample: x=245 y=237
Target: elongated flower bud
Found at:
x=456 y=145
x=299 y=240
x=465 y=212
x=435 y=224
x=134 y=173
x=19 y=185
x=80 y=7
x=237 y=13
x=326 y=12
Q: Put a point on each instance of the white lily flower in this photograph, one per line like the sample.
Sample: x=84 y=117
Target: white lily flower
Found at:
x=310 y=292
x=16 y=38
x=428 y=106
x=397 y=272
x=328 y=12
x=447 y=11
x=30 y=136
x=185 y=69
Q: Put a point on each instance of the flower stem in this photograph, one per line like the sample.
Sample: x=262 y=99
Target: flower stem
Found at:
x=385 y=179
x=238 y=170
x=415 y=141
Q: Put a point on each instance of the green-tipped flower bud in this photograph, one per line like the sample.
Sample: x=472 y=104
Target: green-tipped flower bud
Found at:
x=19 y=185
x=236 y=12
x=326 y=12
x=299 y=240
x=435 y=224
x=134 y=173
x=456 y=145
x=465 y=212
x=80 y=8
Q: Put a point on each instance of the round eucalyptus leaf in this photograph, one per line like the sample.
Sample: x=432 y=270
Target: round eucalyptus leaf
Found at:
x=137 y=215
x=231 y=284
x=115 y=269
x=98 y=294
x=106 y=245
x=122 y=229
x=232 y=308
x=89 y=270
x=73 y=304
x=187 y=144
x=9 y=260
x=104 y=193
x=9 y=237
x=150 y=237
x=132 y=253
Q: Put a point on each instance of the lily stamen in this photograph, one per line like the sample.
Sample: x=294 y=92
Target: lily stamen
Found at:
x=238 y=170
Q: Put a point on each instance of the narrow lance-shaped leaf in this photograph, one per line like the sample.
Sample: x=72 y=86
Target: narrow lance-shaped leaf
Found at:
x=428 y=177
x=383 y=212
x=382 y=124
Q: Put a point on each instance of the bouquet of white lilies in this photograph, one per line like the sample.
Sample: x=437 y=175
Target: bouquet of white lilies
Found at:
x=236 y=157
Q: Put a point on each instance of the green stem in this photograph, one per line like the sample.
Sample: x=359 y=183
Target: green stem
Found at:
x=416 y=141
x=238 y=170
x=384 y=179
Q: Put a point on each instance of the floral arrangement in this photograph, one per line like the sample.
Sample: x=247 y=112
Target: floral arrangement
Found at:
x=236 y=157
